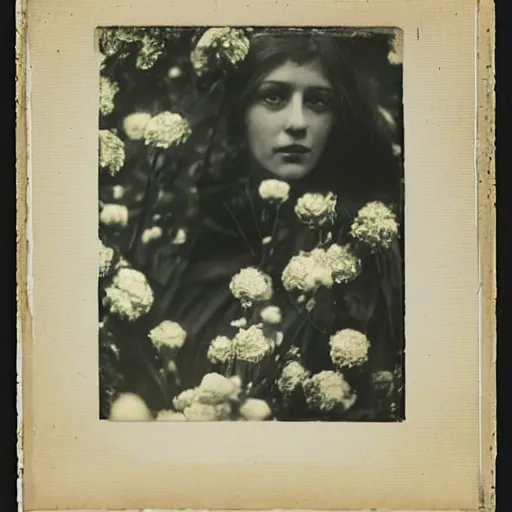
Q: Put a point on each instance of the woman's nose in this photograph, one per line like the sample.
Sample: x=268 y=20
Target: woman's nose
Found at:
x=296 y=120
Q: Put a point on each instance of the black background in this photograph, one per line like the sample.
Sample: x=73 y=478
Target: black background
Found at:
x=504 y=258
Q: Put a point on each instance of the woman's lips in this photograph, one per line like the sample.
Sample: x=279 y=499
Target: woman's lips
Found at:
x=293 y=149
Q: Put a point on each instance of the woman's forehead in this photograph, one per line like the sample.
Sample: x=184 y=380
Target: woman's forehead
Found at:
x=308 y=74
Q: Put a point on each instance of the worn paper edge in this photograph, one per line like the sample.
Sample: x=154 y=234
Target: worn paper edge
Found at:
x=485 y=174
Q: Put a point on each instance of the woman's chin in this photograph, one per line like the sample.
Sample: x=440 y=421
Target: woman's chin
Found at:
x=290 y=171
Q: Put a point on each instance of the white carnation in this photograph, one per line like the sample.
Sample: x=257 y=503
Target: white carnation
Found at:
x=170 y=416
x=327 y=391
x=111 y=151
x=251 y=345
x=271 y=315
x=150 y=234
x=240 y=322
x=221 y=350
x=275 y=191
x=135 y=124
x=205 y=412
x=174 y=72
x=293 y=375
x=181 y=237
x=108 y=91
x=166 y=129
x=168 y=334
x=218 y=45
x=349 y=348
x=150 y=51
x=106 y=259
x=118 y=192
x=254 y=409
x=251 y=285
x=129 y=407
x=114 y=215
x=344 y=265
x=304 y=273
x=375 y=225
x=316 y=209
x=184 y=399
x=216 y=389
x=129 y=295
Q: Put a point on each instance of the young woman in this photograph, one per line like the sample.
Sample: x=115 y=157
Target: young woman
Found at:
x=294 y=110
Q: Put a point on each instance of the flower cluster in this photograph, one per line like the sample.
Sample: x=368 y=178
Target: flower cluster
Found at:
x=292 y=376
x=111 y=151
x=106 y=260
x=274 y=191
x=251 y=285
x=316 y=209
x=150 y=234
x=217 y=46
x=129 y=407
x=134 y=125
x=166 y=129
x=375 y=225
x=211 y=401
x=114 y=215
x=129 y=296
x=349 y=348
x=108 y=91
x=168 y=335
x=250 y=345
x=327 y=391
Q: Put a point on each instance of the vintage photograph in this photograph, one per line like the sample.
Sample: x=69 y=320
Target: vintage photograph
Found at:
x=251 y=224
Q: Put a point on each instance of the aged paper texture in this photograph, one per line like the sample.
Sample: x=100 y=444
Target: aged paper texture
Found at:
x=440 y=457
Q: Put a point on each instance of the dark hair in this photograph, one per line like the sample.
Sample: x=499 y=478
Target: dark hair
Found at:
x=358 y=163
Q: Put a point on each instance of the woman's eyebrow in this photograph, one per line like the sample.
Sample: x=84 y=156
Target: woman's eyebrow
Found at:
x=283 y=83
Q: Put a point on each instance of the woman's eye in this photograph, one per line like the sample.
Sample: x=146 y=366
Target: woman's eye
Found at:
x=273 y=100
x=319 y=104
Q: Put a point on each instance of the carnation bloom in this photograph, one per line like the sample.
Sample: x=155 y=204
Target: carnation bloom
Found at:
x=293 y=375
x=198 y=411
x=108 y=90
x=114 y=214
x=316 y=209
x=135 y=124
x=218 y=45
x=181 y=237
x=150 y=234
x=275 y=191
x=375 y=225
x=254 y=409
x=240 y=322
x=349 y=348
x=184 y=399
x=216 y=389
x=342 y=264
x=170 y=416
x=251 y=345
x=129 y=295
x=166 y=129
x=118 y=191
x=106 y=259
x=251 y=285
x=129 y=407
x=111 y=151
x=150 y=51
x=303 y=273
x=327 y=391
x=271 y=315
x=221 y=350
x=168 y=334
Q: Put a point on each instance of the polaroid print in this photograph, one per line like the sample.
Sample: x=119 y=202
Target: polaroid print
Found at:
x=251 y=224
x=255 y=265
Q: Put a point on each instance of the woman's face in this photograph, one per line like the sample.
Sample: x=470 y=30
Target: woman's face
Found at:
x=289 y=119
